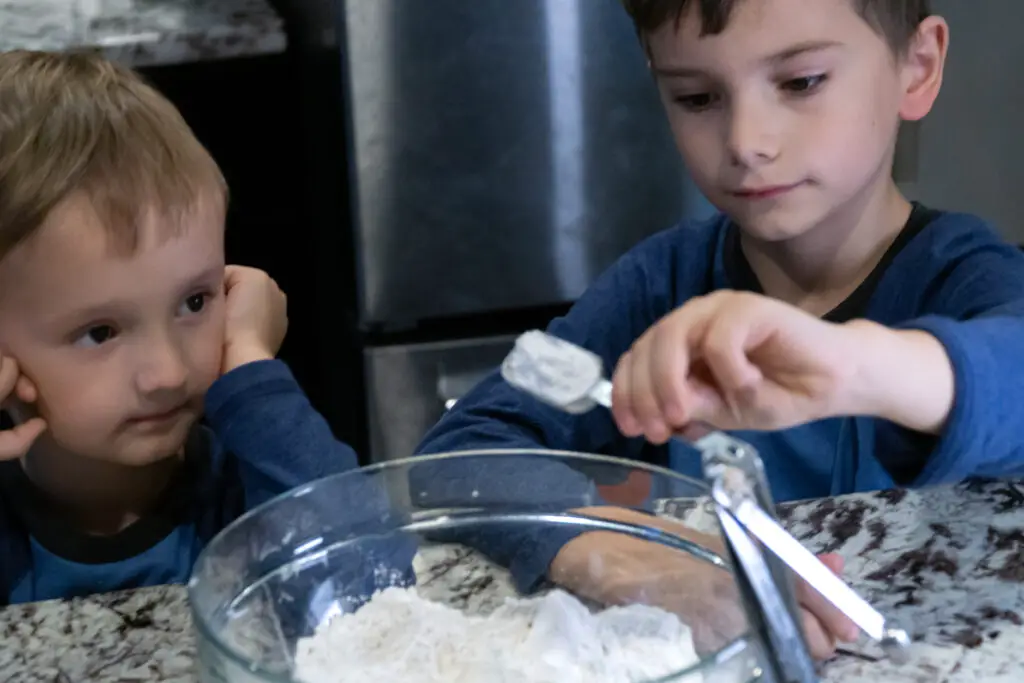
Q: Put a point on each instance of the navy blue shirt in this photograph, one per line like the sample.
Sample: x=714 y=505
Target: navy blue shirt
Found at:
x=947 y=273
x=261 y=437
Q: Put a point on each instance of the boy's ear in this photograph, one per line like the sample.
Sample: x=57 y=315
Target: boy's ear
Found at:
x=922 y=68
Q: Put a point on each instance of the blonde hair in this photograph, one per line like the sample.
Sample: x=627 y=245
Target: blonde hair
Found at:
x=77 y=123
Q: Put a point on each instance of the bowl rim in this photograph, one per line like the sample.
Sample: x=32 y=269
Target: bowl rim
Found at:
x=726 y=653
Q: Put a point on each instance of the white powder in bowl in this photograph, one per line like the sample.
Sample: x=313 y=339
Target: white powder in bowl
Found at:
x=400 y=636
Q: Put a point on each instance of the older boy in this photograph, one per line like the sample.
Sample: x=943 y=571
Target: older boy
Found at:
x=879 y=338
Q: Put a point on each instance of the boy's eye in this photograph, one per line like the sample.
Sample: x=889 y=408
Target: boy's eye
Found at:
x=804 y=84
x=96 y=336
x=697 y=102
x=195 y=303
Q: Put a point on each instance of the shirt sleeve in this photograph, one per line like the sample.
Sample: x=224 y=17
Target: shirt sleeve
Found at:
x=977 y=314
x=626 y=300
x=260 y=414
x=623 y=303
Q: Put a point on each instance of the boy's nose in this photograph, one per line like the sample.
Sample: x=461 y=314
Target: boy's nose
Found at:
x=751 y=139
x=164 y=370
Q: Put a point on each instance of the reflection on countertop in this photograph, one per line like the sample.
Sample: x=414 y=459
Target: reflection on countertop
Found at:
x=154 y=32
x=945 y=563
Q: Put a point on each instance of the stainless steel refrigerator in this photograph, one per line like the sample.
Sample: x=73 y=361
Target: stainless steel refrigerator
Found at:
x=499 y=155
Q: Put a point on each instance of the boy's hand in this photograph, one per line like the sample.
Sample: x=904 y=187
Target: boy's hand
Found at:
x=744 y=361
x=256 y=317
x=734 y=360
x=613 y=568
x=16 y=388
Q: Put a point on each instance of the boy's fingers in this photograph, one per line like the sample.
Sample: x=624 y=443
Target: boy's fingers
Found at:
x=724 y=351
x=824 y=625
x=8 y=377
x=642 y=399
x=832 y=619
x=14 y=443
x=820 y=642
x=622 y=408
x=25 y=390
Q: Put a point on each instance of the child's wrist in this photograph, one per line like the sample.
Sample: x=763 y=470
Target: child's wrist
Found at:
x=903 y=376
x=237 y=355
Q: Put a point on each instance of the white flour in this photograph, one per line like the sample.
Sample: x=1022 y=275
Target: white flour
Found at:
x=400 y=637
x=551 y=368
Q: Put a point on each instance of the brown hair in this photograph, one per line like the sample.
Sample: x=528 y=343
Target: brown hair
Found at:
x=78 y=123
x=895 y=20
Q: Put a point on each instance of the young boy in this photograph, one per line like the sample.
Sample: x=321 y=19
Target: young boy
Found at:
x=879 y=338
x=120 y=327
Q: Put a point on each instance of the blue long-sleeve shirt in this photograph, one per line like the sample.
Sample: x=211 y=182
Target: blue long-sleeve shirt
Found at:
x=261 y=437
x=948 y=274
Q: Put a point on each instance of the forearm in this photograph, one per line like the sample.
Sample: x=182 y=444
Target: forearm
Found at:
x=503 y=483
x=904 y=376
x=575 y=568
x=260 y=414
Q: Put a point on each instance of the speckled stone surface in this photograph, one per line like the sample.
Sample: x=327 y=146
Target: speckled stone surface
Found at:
x=144 y=32
x=947 y=564
x=144 y=635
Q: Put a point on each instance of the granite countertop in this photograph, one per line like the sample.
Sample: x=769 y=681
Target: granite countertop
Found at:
x=946 y=563
x=145 y=32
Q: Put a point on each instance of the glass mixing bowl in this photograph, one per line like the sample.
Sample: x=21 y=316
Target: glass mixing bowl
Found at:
x=469 y=531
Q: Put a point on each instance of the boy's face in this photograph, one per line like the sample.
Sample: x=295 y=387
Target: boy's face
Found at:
x=120 y=347
x=786 y=116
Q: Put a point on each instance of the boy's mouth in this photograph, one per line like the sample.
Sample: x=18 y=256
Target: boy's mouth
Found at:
x=765 y=191
x=159 y=417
